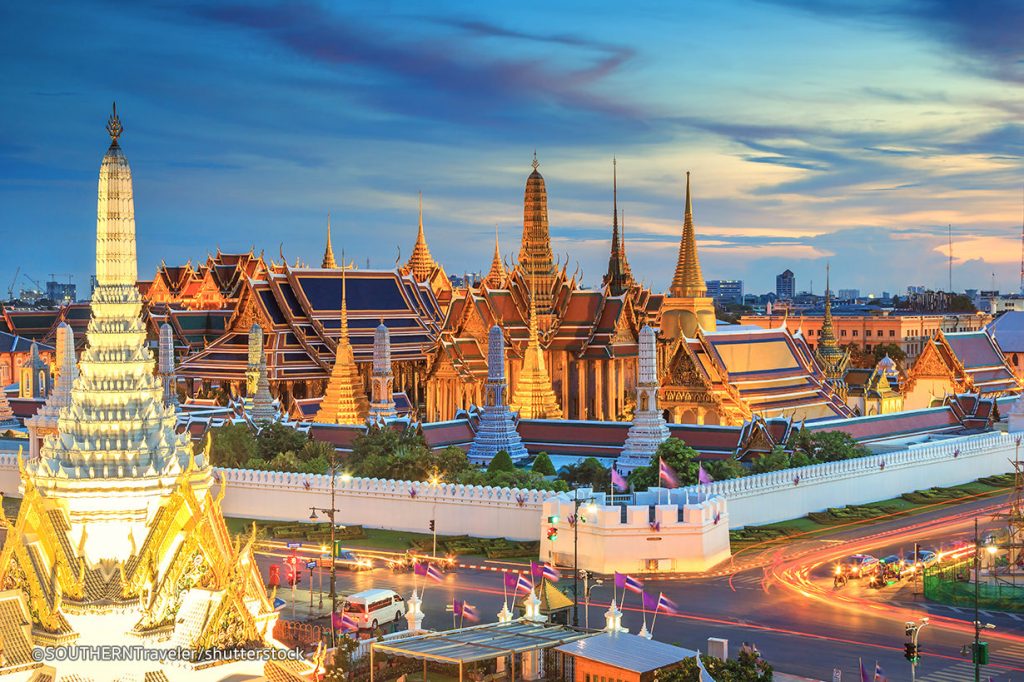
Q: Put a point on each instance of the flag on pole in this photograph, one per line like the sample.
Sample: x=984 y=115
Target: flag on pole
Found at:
x=633 y=584
x=419 y=568
x=879 y=674
x=434 y=574
x=465 y=611
x=649 y=602
x=343 y=622
x=666 y=475
x=863 y=672
x=511 y=580
x=551 y=573
x=523 y=583
x=703 y=477
x=536 y=571
x=619 y=481
x=665 y=604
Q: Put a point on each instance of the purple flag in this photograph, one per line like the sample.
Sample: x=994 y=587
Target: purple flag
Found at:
x=511 y=580
x=620 y=580
x=419 y=568
x=666 y=475
x=649 y=602
x=703 y=477
x=536 y=571
x=619 y=481
x=863 y=673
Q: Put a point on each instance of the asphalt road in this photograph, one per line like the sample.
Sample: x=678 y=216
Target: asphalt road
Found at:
x=786 y=606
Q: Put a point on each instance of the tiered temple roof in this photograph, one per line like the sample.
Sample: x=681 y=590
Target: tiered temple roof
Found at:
x=961 y=362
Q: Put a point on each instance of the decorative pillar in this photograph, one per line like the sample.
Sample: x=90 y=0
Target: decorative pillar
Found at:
x=414 y=615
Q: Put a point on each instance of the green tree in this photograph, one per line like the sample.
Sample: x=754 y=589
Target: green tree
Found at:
x=501 y=461
x=275 y=438
x=827 y=446
x=893 y=350
x=724 y=469
x=543 y=466
x=589 y=473
x=775 y=460
x=678 y=455
x=746 y=667
x=232 y=446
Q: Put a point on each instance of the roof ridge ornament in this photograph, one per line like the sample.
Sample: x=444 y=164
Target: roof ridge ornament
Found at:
x=535 y=163
x=114 y=127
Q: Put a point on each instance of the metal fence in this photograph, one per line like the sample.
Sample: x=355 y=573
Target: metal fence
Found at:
x=951 y=584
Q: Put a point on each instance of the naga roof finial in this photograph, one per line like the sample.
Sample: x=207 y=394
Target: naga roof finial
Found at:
x=114 y=127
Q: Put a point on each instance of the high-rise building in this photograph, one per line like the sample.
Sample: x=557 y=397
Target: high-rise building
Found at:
x=848 y=294
x=785 y=285
x=59 y=292
x=725 y=290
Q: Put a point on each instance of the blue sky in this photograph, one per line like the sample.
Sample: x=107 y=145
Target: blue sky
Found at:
x=813 y=131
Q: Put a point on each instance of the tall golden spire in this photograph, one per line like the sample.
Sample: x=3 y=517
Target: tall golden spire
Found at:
x=345 y=399
x=495 y=279
x=533 y=397
x=536 y=261
x=329 y=261
x=619 y=276
x=688 y=280
x=421 y=263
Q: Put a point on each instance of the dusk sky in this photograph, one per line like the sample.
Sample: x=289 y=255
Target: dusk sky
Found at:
x=813 y=132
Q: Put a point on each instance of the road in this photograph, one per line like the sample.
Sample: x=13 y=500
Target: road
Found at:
x=783 y=601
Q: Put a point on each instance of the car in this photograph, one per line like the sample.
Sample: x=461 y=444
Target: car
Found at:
x=347 y=560
x=858 y=565
x=924 y=559
x=370 y=608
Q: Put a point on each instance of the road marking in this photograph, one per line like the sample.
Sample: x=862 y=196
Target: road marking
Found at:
x=986 y=614
x=1015 y=616
x=952 y=608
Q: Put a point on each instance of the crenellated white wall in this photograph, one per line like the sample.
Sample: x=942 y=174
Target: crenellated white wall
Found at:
x=792 y=493
x=660 y=534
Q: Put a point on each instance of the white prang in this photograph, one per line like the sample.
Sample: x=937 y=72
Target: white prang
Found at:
x=44 y=421
x=116 y=453
x=165 y=364
x=649 y=429
x=382 y=381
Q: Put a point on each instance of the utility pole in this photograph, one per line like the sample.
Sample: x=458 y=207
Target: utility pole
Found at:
x=330 y=514
x=576 y=559
x=977 y=591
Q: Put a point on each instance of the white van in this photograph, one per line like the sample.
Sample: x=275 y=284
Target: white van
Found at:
x=371 y=608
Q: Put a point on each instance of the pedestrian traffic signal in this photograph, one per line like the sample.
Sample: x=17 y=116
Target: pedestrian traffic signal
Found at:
x=979 y=653
x=911 y=652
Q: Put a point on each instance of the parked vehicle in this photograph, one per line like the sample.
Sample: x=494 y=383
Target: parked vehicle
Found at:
x=858 y=565
x=369 y=608
x=924 y=559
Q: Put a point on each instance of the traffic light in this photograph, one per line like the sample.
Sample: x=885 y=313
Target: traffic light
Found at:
x=979 y=653
x=911 y=652
x=553 y=519
x=552 y=533
x=432 y=525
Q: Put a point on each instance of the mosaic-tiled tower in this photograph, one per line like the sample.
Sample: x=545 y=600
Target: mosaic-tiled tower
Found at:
x=382 y=381
x=165 y=364
x=649 y=429
x=497 y=428
x=256 y=382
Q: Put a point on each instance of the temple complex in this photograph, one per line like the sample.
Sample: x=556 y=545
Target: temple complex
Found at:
x=119 y=525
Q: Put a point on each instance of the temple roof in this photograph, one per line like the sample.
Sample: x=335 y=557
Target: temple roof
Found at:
x=972 y=360
x=1008 y=331
x=688 y=280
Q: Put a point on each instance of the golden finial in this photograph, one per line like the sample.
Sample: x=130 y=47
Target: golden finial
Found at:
x=114 y=127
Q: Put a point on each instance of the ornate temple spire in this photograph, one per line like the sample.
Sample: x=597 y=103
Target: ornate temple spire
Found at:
x=536 y=262
x=44 y=422
x=688 y=280
x=533 y=397
x=257 y=383
x=165 y=364
x=382 y=402
x=649 y=429
x=495 y=278
x=619 y=276
x=497 y=428
x=421 y=263
x=35 y=379
x=830 y=356
x=117 y=433
x=344 y=400
x=328 y=261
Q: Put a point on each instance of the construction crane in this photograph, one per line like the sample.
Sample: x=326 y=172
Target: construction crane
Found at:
x=14 y=280
x=39 y=287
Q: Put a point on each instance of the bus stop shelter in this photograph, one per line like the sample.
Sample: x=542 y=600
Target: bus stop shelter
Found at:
x=478 y=643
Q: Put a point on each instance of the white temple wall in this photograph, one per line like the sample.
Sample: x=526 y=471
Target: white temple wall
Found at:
x=792 y=493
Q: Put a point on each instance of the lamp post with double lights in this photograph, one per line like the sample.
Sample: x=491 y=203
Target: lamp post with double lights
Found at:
x=331 y=516
x=577 y=519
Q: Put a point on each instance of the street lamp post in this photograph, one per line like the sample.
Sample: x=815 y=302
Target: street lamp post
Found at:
x=576 y=559
x=330 y=514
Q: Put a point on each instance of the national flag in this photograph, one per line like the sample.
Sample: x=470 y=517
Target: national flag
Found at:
x=419 y=568
x=465 y=611
x=879 y=674
x=649 y=602
x=619 y=481
x=434 y=574
x=863 y=672
x=666 y=475
x=620 y=580
x=536 y=571
x=703 y=477
x=342 y=621
x=523 y=583
x=551 y=573
x=511 y=580
x=279 y=603
x=633 y=584
x=665 y=604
